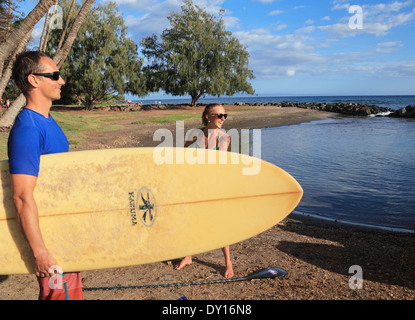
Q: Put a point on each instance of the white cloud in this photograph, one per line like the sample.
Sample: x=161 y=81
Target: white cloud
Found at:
x=264 y=1
x=378 y=19
x=280 y=27
x=397 y=69
x=291 y=72
x=275 y=12
x=388 y=47
x=276 y=56
x=386 y=8
x=390 y=44
x=296 y=54
x=135 y=3
x=155 y=12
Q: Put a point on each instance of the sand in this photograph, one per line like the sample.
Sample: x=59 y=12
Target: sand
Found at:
x=316 y=254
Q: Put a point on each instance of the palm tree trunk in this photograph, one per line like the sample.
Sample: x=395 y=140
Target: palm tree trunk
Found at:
x=4 y=80
x=6 y=121
x=45 y=26
x=10 y=14
x=8 y=46
x=68 y=19
x=45 y=41
x=61 y=54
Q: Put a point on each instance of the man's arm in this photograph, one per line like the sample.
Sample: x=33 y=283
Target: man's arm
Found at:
x=28 y=218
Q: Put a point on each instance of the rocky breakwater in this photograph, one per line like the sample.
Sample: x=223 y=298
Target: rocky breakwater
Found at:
x=354 y=109
x=407 y=112
x=346 y=108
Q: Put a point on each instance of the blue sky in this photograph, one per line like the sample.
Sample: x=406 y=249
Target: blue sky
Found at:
x=304 y=47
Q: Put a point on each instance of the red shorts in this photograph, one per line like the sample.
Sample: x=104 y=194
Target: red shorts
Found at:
x=61 y=287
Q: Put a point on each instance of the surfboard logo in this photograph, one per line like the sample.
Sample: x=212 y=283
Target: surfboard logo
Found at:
x=146 y=204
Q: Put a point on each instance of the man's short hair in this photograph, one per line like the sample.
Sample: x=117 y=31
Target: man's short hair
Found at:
x=26 y=63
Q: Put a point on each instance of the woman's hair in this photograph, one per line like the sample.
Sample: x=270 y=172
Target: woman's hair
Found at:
x=26 y=63
x=207 y=110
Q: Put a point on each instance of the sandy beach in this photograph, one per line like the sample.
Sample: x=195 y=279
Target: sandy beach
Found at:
x=316 y=254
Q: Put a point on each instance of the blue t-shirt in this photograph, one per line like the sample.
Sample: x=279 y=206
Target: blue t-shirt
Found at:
x=33 y=135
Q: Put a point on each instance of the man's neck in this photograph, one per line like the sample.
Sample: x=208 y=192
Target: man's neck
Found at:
x=42 y=107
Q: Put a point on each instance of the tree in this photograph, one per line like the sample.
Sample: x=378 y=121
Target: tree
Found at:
x=8 y=22
x=6 y=48
x=103 y=62
x=6 y=18
x=13 y=40
x=196 y=56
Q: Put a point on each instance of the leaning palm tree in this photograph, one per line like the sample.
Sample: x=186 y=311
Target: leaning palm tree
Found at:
x=8 y=117
x=10 y=44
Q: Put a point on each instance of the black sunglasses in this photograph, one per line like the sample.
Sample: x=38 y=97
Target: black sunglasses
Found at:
x=220 y=115
x=53 y=75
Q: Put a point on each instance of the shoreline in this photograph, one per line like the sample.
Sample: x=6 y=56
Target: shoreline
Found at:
x=317 y=220
x=317 y=254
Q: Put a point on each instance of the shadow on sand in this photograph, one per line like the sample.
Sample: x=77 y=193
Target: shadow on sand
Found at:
x=384 y=257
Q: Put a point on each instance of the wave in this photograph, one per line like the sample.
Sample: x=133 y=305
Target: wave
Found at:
x=381 y=114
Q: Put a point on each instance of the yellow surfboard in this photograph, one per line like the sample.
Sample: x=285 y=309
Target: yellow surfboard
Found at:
x=122 y=207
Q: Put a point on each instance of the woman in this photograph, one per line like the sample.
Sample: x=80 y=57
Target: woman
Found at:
x=213 y=137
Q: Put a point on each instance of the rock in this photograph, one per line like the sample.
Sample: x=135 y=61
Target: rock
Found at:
x=115 y=108
x=407 y=112
x=411 y=111
x=146 y=107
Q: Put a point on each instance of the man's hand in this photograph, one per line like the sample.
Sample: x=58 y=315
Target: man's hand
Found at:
x=43 y=264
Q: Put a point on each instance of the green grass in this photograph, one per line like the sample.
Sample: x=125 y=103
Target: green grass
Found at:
x=169 y=118
x=75 y=127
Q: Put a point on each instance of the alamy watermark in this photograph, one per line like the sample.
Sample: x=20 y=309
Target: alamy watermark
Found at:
x=356 y=281
x=243 y=143
x=55 y=282
x=356 y=21
x=55 y=17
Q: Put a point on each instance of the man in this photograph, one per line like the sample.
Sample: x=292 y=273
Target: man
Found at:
x=36 y=133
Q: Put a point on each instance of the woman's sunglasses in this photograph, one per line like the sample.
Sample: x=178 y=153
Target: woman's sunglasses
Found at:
x=53 y=75
x=220 y=115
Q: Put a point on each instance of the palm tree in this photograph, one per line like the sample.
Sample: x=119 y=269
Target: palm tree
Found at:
x=10 y=44
x=8 y=117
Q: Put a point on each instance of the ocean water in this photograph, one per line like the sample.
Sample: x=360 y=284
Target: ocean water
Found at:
x=352 y=169
x=355 y=170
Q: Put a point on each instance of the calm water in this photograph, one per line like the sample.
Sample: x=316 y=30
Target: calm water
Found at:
x=353 y=169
